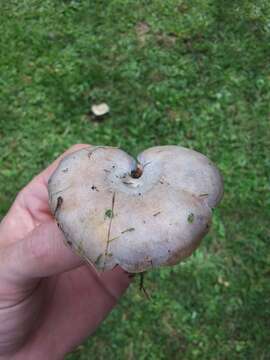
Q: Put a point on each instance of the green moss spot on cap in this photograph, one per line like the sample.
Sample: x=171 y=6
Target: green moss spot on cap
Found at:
x=108 y=213
x=190 y=218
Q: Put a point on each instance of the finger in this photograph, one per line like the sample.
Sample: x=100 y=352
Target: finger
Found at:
x=45 y=174
x=84 y=303
x=42 y=253
x=115 y=281
x=31 y=205
x=41 y=180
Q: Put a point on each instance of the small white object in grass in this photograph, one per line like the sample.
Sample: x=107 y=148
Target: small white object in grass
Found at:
x=100 y=109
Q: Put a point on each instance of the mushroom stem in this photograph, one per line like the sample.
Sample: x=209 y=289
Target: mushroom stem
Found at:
x=137 y=173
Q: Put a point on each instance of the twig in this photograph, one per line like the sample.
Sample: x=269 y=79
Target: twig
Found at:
x=109 y=231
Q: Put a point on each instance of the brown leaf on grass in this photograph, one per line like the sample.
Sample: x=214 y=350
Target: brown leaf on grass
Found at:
x=183 y=8
x=27 y=79
x=142 y=28
x=166 y=40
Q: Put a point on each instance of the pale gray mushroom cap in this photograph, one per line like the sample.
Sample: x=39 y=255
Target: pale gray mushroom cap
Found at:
x=110 y=217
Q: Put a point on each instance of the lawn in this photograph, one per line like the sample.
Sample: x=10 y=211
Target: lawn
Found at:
x=194 y=73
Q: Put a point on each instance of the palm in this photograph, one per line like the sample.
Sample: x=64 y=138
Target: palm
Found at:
x=72 y=306
x=73 y=303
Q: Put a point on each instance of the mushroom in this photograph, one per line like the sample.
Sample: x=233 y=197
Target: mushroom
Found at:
x=100 y=109
x=114 y=210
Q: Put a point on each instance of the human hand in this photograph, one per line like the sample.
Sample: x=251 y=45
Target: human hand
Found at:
x=50 y=301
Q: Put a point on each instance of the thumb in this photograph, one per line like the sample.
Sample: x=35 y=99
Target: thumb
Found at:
x=42 y=253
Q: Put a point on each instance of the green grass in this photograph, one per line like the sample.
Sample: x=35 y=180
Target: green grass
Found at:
x=195 y=73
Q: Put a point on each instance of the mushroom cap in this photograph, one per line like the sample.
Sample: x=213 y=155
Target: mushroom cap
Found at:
x=100 y=109
x=113 y=211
